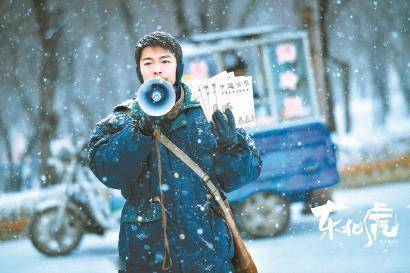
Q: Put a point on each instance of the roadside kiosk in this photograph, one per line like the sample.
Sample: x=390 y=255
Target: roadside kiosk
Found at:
x=298 y=154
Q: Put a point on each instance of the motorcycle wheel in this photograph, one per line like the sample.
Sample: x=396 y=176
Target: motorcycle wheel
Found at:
x=52 y=241
x=263 y=214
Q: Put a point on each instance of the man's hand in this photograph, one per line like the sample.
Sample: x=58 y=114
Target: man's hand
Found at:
x=224 y=129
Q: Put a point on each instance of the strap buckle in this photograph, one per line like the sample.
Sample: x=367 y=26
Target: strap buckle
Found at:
x=205 y=178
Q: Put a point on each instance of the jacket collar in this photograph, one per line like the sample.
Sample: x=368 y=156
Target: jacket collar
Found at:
x=189 y=102
x=180 y=120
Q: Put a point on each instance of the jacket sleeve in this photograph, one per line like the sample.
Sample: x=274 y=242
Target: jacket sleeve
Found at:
x=117 y=150
x=238 y=166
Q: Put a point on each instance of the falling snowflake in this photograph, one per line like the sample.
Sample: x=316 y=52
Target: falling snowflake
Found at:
x=164 y=187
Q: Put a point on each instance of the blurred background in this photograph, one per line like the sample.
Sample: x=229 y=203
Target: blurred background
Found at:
x=66 y=64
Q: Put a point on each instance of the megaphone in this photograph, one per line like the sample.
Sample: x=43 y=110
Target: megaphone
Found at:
x=156 y=97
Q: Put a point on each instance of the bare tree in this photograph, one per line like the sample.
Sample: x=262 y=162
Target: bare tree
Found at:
x=375 y=27
x=222 y=7
x=312 y=16
x=180 y=16
x=330 y=18
x=12 y=182
x=129 y=20
x=323 y=9
x=378 y=67
x=403 y=70
x=344 y=69
x=203 y=15
x=250 y=5
x=400 y=35
x=49 y=32
x=105 y=74
x=21 y=108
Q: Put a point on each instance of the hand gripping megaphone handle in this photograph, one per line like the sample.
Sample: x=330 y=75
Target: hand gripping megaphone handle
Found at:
x=156 y=97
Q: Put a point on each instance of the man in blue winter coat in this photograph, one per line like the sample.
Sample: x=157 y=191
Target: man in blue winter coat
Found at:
x=122 y=156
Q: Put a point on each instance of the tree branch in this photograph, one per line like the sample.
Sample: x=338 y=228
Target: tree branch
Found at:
x=128 y=20
x=246 y=12
x=345 y=70
x=180 y=15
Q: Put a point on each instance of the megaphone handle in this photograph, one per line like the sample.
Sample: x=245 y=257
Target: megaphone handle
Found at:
x=156 y=133
x=155 y=123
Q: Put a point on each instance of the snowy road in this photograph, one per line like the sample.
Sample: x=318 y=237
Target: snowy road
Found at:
x=298 y=250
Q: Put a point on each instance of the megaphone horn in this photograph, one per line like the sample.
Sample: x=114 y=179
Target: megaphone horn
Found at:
x=156 y=97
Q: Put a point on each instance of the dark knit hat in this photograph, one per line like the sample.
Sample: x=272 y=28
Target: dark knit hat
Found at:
x=165 y=40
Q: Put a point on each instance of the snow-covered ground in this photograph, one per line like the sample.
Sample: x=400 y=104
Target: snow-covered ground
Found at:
x=369 y=141
x=301 y=250
x=298 y=250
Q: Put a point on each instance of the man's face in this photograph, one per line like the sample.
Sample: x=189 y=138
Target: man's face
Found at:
x=158 y=61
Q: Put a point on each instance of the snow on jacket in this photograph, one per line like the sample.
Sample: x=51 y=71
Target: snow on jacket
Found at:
x=123 y=158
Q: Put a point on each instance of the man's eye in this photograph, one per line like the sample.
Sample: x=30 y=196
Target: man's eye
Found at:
x=165 y=61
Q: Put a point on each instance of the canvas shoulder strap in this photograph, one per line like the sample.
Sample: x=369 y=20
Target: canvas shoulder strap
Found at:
x=242 y=260
x=195 y=167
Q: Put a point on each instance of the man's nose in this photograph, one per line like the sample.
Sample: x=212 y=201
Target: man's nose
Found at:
x=157 y=69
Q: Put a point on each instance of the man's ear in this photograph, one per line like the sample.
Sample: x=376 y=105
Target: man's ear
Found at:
x=179 y=72
x=139 y=75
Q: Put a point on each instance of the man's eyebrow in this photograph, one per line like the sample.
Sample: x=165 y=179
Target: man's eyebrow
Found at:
x=162 y=57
